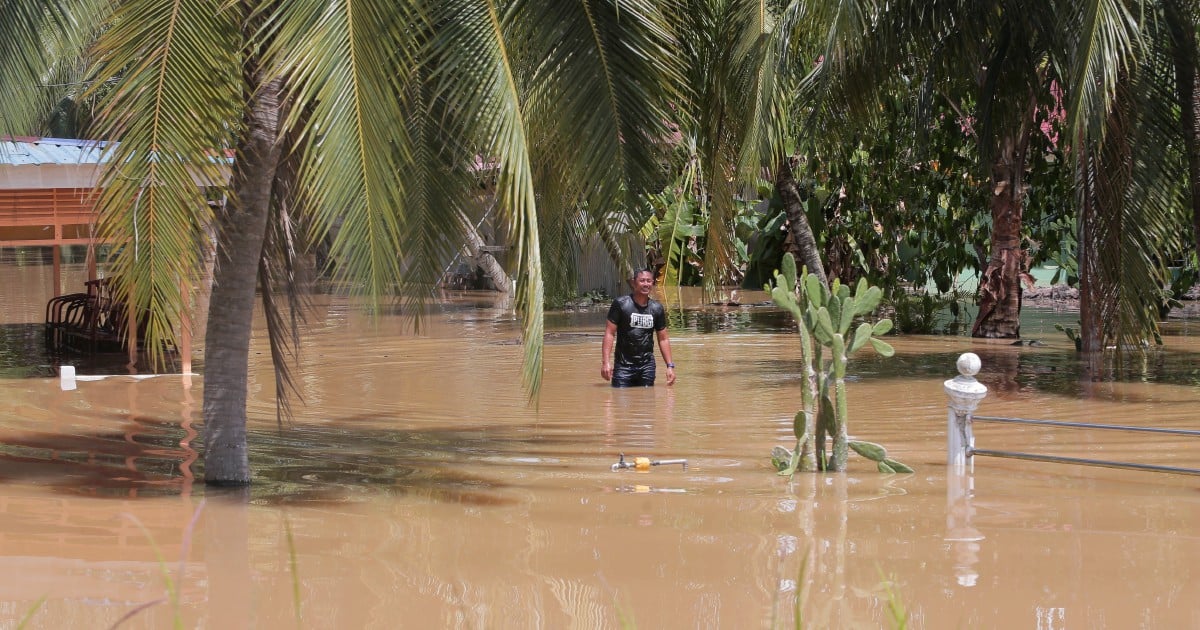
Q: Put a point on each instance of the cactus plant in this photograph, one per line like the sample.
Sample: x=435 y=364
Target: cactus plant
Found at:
x=824 y=317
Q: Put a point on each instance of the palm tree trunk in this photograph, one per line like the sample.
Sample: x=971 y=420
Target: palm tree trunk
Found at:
x=1000 y=285
x=1091 y=299
x=804 y=243
x=241 y=229
x=1105 y=169
x=485 y=259
x=1187 y=88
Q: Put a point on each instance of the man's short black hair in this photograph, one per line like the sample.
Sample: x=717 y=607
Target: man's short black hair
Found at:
x=640 y=271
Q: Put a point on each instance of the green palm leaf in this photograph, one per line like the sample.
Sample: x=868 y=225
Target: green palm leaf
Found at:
x=1134 y=185
x=171 y=109
x=475 y=73
x=440 y=185
x=603 y=78
x=1103 y=39
x=39 y=35
x=279 y=269
x=349 y=64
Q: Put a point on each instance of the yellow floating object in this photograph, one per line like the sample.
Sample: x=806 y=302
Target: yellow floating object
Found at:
x=643 y=464
x=641 y=489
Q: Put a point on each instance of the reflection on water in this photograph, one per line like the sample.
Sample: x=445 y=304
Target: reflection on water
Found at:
x=415 y=483
x=23 y=351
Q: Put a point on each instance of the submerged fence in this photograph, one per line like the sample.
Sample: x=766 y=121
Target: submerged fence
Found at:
x=965 y=394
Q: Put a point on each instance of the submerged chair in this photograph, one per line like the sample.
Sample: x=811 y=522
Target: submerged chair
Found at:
x=90 y=322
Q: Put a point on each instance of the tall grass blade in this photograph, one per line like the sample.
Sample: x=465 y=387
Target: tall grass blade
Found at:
x=31 y=612
x=133 y=613
x=897 y=613
x=625 y=618
x=801 y=591
x=293 y=567
x=172 y=594
x=186 y=543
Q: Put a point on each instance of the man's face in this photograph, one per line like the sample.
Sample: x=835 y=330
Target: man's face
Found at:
x=643 y=283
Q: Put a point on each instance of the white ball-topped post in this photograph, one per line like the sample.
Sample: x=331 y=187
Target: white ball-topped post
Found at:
x=965 y=393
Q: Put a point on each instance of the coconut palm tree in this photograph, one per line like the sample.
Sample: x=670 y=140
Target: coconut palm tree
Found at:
x=1004 y=56
x=718 y=71
x=1182 y=19
x=860 y=49
x=366 y=114
x=1136 y=181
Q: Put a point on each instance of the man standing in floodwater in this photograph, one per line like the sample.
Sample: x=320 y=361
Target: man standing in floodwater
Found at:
x=634 y=320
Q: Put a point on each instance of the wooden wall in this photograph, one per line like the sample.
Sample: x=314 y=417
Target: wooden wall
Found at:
x=46 y=216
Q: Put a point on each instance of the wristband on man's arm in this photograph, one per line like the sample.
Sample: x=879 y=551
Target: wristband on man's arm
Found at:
x=671 y=365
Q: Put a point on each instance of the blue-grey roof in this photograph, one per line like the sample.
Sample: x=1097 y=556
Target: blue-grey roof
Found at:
x=39 y=151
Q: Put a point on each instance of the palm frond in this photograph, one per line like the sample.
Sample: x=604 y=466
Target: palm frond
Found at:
x=840 y=33
x=1103 y=40
x=175 y=92
x=560 y=225
x=442 y=183
x=723 y=45
x=614 y=229
x=475 y=73
x=281 y=270
x=602 y=84
x=39 y=35
x=720 y=255
x=1154 y=209
x=347 y=65
x=1132 y=182
x=71 y=112
x=766 y=47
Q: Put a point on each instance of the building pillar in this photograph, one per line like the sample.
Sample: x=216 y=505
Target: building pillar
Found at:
x=185 y=328
x=91 y=259
x=131 y=331
x=56 y=265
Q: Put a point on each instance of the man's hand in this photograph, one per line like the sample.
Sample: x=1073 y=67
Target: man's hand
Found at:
x=606 y=350
x=664 y=346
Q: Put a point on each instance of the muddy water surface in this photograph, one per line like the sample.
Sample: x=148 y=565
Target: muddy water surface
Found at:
x=416 y=487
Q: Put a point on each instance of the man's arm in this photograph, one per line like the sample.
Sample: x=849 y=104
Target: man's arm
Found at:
x=664 y=345
x=606 y=367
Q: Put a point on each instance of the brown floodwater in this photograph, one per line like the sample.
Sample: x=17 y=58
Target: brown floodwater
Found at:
x=415 y=486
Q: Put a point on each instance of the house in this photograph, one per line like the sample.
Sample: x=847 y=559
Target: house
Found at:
x=46 y=200
x=45 y=190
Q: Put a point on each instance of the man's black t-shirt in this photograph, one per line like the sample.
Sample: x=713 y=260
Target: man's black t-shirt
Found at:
x=636 y=328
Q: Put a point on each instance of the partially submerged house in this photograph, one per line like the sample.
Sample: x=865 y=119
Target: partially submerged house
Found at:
x=45 y=190
x=46 y=200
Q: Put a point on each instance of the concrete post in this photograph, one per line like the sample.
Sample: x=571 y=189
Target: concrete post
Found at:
x=185 y=331
x=56 y=269
x=965 y=393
